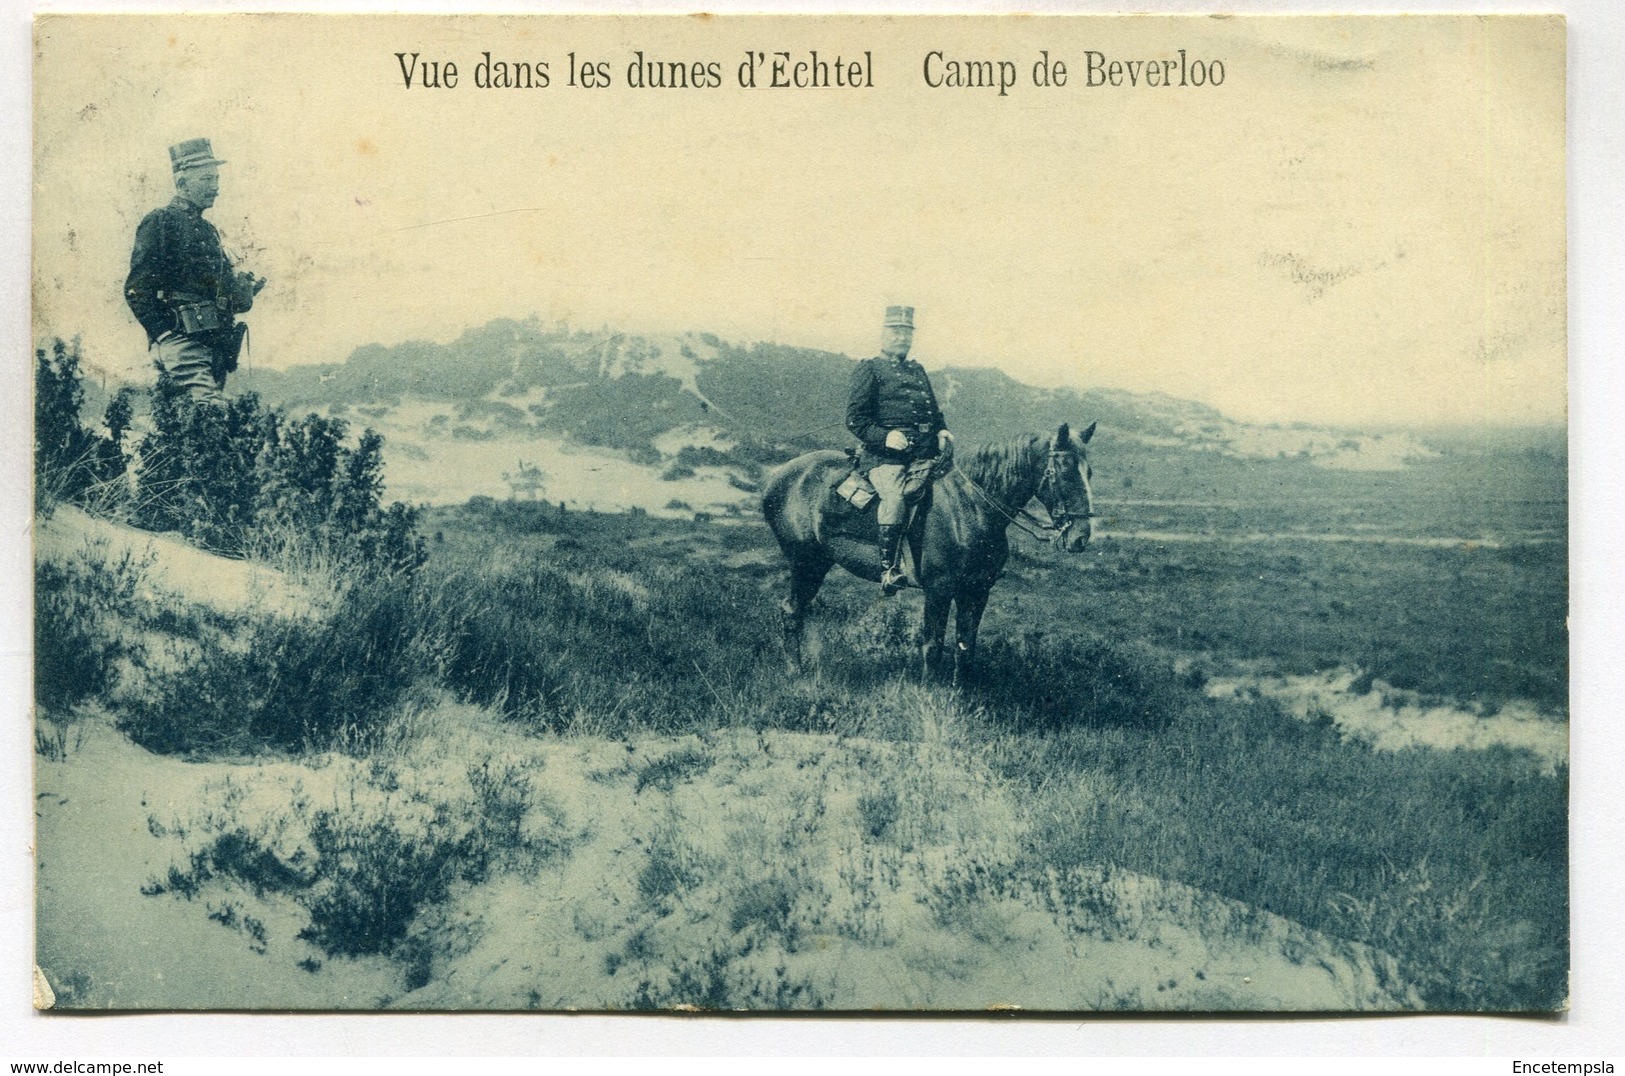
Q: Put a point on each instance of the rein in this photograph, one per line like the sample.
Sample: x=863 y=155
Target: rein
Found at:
x=1061 y=517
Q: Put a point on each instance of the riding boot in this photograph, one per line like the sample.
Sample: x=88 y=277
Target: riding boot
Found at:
x=891 y=545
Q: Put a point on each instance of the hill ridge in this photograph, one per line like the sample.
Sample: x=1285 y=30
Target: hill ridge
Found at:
x=626 y=390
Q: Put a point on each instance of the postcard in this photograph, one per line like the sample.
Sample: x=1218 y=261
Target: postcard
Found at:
x=820 y=513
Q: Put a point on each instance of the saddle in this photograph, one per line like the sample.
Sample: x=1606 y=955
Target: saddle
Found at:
x=853 y=505
x=855 y=490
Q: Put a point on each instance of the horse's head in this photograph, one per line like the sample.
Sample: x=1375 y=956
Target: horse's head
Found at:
x=1064 y=490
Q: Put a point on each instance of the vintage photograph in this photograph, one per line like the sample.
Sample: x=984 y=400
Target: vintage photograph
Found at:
x=822 y=513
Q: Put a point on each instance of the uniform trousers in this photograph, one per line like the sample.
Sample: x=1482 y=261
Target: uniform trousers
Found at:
x=899 y=486
x=189 y=362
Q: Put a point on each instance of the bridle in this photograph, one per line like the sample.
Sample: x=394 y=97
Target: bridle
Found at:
x=1061 y=517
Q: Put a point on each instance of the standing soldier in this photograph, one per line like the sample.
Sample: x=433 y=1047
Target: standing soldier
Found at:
x=893 y=411
x=182 y=288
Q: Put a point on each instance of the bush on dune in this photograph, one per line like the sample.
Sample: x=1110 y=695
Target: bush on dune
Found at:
x=72 y=463
x=317 y=681
x=1058 y=682
x=78 y=626
x=364 y=873
x=557 y=641
x=245 y=478
x=237 y=480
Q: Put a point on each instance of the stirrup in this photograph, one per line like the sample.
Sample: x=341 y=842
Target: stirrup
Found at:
x=891 y=581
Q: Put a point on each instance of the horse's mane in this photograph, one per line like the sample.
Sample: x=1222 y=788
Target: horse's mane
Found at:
x=1004 y=465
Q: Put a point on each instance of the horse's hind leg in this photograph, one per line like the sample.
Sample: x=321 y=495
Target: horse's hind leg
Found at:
x=806 y=576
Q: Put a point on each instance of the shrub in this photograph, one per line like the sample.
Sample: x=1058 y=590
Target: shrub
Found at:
x=74 y=653
x=878 y=810
x=60 y=442
x=237 y=479
x=364 y=873
x=79 y=609
x=644 y=455
x=72 y=463
x=374 y=878
x=673 y=867
x=322 y=682
x=197 y=469
x=522 y=517
x=343 y=675
x=251 y=478
x=1063 y=681
x=667 y=771
x=695 y=456
x=505 y=795
x=756 y=454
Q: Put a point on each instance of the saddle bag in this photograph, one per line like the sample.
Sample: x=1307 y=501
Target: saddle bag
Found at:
x=856 y=489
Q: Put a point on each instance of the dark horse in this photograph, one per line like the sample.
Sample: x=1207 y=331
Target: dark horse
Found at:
x=958 y=544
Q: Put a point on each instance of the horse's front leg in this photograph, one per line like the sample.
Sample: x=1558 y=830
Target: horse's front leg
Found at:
x=968 y=609
x=931 y=634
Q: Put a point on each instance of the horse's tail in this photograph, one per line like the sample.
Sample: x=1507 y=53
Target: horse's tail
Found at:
x=775 y=491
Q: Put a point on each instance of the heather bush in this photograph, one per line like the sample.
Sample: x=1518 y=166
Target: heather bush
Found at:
x=365 y=871
x=302 y=682
x=197 y=471
x=79 y=605
x=242 y=479
x=72 y=463
x=657 y=649
x=1060 y=681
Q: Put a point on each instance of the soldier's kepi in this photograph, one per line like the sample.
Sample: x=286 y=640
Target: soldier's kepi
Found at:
x=182 y=288
x=893 y=411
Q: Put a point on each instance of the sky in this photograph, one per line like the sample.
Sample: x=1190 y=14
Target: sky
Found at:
x=1363 y=225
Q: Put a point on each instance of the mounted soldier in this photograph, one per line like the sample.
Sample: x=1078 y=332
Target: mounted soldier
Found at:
x=182 y=288
x=892 y=410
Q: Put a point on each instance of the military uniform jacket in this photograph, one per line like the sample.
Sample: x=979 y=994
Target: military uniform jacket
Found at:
x=176 y=252
x=890 y=395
